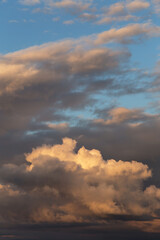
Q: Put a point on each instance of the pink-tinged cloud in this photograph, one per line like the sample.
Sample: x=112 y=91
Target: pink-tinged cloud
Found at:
x=137 y=5
x=123 y=115
x=127 y=33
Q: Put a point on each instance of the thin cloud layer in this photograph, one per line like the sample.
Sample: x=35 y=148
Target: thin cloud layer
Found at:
x=88 y=10
x=127 y=33
x=122 y=115
x=29 y=2
x=122 y=11
x=134 y=6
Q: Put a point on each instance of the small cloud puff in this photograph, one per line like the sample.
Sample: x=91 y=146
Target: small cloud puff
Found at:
x=68 y=22
x=59 y=126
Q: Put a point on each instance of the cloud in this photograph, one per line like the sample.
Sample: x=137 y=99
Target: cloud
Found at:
x=79 y=5
x=39 y=82
x=121 y=8
x=116 y=9
x=59 y=126
x=87 y=10
x=68 y=22
x=81 y=9
x=61 y=185
x=88 y=16
x=29 y=2
x=71 y=6
x=44 y=63
x=155 y=85
x=108 y=19
x=50 y=76
x=156 y=4
x=137 y=5
x=122 y=115
x=147 y=226
x=45 y=91
x=13 y=21
x=121 y=11
x=127 y=33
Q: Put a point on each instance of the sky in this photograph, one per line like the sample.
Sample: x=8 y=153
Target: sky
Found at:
x=79 y=119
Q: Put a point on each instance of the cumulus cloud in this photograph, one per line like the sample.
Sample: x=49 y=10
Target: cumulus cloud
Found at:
x=64 y=186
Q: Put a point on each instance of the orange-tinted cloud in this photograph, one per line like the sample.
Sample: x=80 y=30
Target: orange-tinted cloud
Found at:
x=77 y=187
